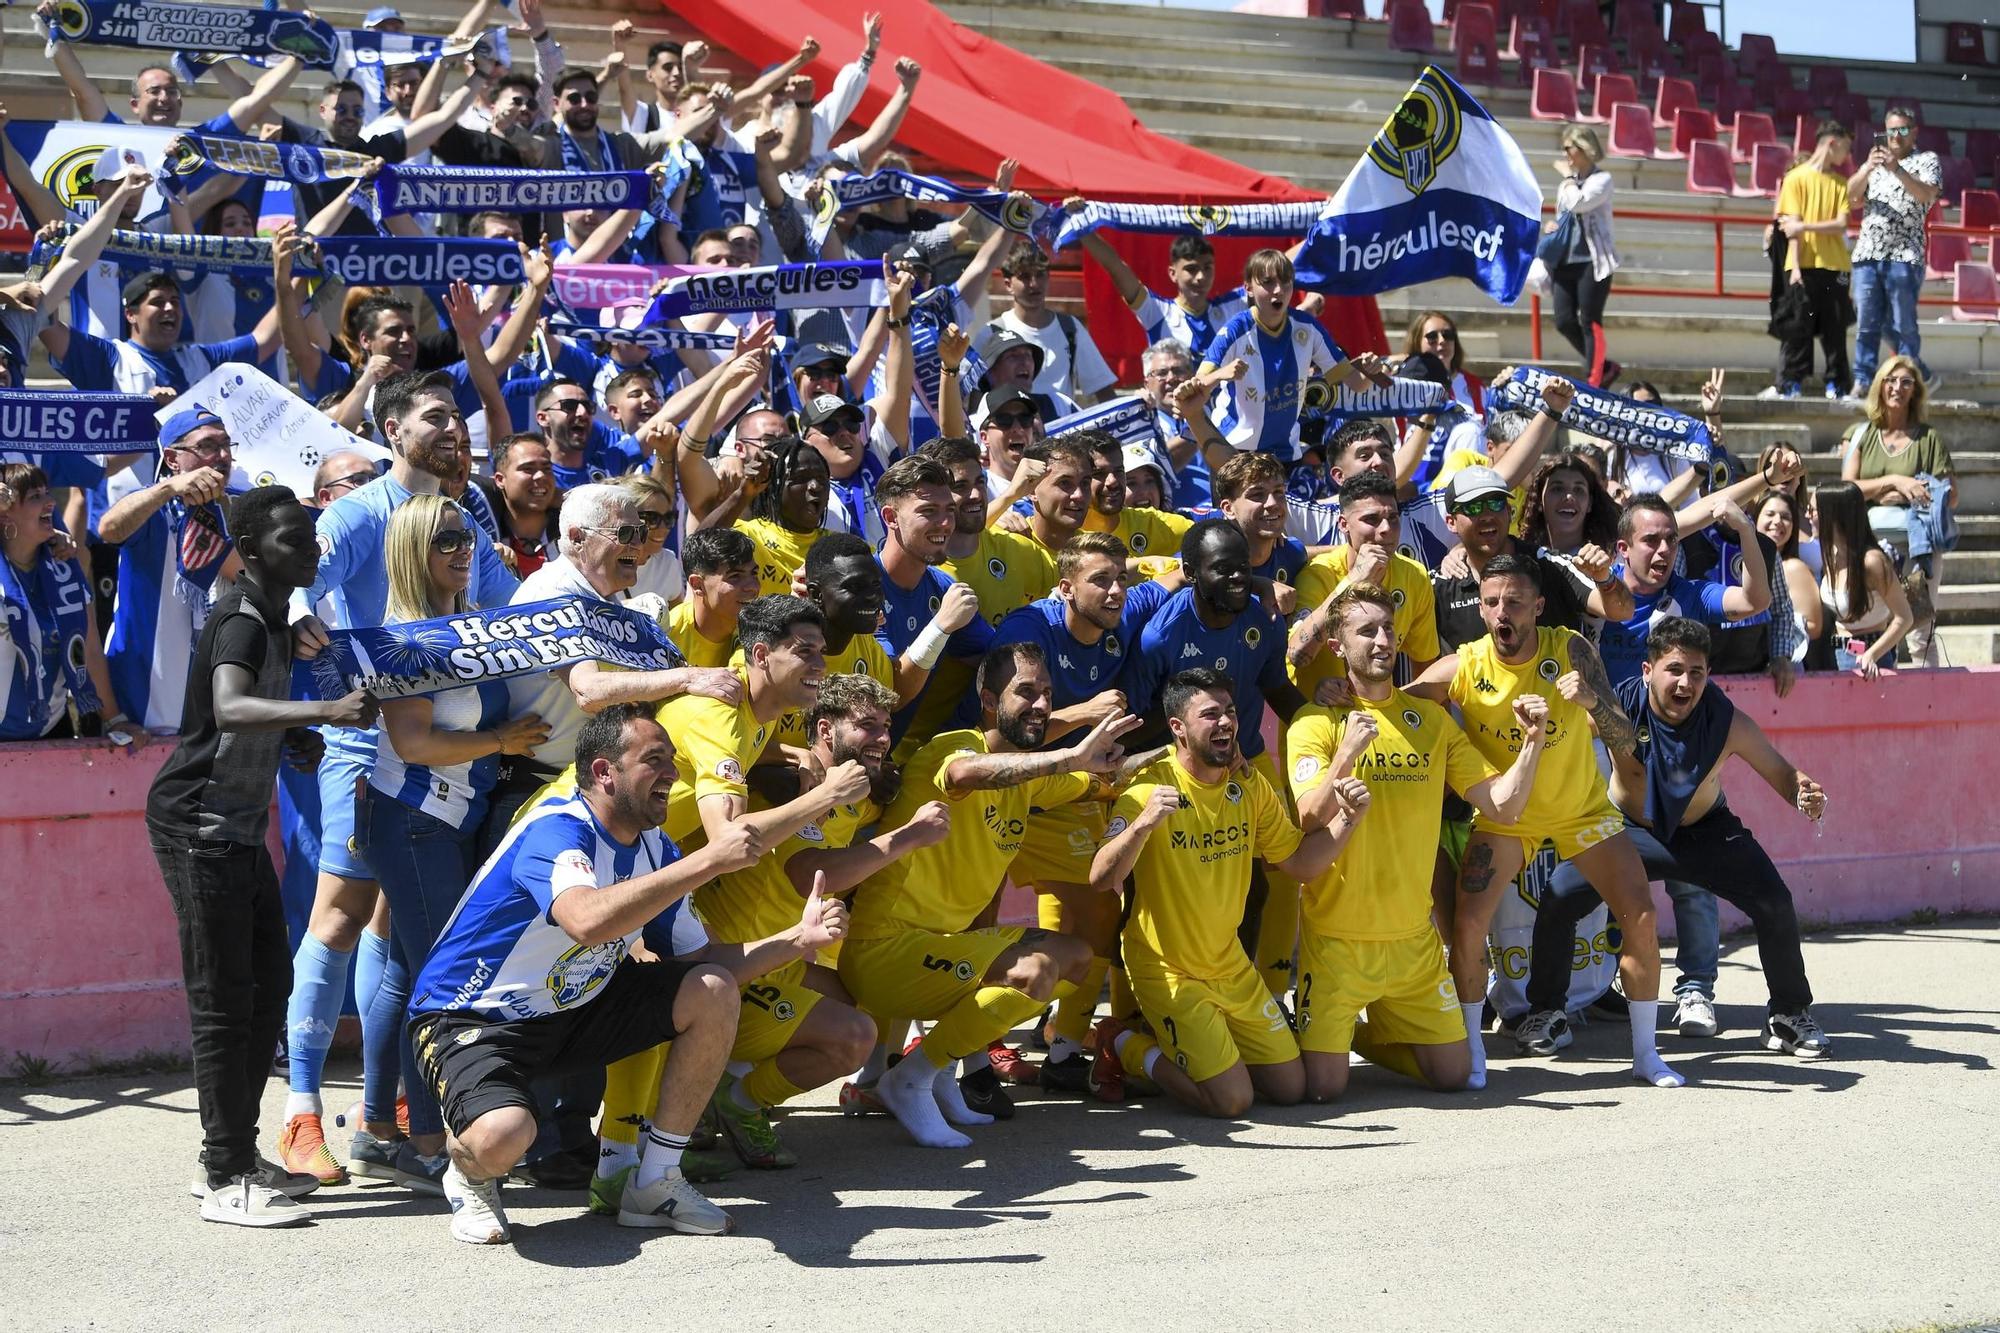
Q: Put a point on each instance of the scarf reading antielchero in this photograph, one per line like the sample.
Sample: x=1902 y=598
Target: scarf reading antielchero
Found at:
x=446 y=652
x=842 y=285
x=1647 y=427
x=222 y=29
x=405 y=189
x=60 y=604
x=1208 y=219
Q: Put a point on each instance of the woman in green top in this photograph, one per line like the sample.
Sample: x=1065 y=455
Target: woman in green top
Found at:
x=1884 y=457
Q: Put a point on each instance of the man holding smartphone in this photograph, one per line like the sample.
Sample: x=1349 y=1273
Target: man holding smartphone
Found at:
x=1894 y=189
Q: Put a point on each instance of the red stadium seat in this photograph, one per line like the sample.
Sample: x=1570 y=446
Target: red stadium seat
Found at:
x=1853 y=111
x=1527 y=9
x=1691 y=125
x=1652 y=58
x=1959 y=174
x=1796 y=104
x=1700 y=45
x=1593 y=60
x=1934 y=139
x=1754 y=51
x=1632 y=133
x=1709 y=169
x=1806 y=137
x=1532 y=41
x=1410 y=27
x=1734 y=98
x=1579 y=21
x=1975 y=292
x=1980 y=208
x=1474 y=23
x=1554 y=96
x=1478 y=60
x=1611 y=90
x=1768 y=163
x=1673 y=95
x=1825 y=83
x=1983 y=146
x=1965 y=44
x=1750 y=130
x=1770 y=82
x=1944 y=253
x=1685 y=21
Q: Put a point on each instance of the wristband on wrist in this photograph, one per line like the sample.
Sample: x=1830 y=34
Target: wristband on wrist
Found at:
x=1550 y=413
x=929 y=646
x=894 y=323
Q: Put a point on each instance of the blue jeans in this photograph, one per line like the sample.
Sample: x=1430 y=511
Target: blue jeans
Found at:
x=423 y=865
x=1885 y=292
x=1697 y=938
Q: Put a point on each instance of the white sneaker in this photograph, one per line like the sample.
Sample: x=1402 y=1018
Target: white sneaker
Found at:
x=245 y=1203
x=291 y=1184
x=1795 y=1034
x=671 y=1202
x=1543 y=1032
x=1694 y=1014
x=476 y=1215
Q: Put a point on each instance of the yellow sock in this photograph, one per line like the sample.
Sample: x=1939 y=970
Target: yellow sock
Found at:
x=1278 y=932
x=1134 y=1054
x=631 y=1094
x=972 y=1023
x=1048 y=911
x=1075 y=1012
x=1124 y=1003
x=1396 y=1055
x=767 y=1086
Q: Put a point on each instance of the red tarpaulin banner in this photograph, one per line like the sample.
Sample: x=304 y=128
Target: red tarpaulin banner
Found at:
x=1070 y=135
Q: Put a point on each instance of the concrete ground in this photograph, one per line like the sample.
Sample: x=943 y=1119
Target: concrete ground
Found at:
x=1857 y=1192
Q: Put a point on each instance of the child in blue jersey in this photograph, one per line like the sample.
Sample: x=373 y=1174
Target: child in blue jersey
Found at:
x=1285 y=351
x=173 y=545
x=438 y=758
x=1189 y=317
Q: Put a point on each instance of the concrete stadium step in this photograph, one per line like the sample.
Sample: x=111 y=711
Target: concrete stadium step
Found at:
x=1969 y=645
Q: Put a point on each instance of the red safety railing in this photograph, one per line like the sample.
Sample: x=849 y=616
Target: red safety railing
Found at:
x=1719 y=286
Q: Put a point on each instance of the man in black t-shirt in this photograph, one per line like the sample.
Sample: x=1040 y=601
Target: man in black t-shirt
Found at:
x=206 y=815
x=1481 y=516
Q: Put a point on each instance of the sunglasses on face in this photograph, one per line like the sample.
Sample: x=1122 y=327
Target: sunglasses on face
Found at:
x=580 y=98
x=625 y=534
x=1443 y=335
x=1899 y=131
x=1012 y=420
x=351 y=481
x=568 y=405
x=451 y=541
x=840 y=426
x=1492 y=504
x=654 y=520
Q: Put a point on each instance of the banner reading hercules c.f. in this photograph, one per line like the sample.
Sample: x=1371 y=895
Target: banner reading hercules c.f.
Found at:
x=1443 y=191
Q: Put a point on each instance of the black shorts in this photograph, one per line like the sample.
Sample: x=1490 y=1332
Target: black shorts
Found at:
x=476 y=1064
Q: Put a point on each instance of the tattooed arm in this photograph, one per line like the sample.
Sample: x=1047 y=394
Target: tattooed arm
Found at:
x=1586 y=686
x=1098 y=752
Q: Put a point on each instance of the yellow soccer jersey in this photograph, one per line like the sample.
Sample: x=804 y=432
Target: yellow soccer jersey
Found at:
x=697 y=650
x=1567 y=785
x=781 y=552
x=1380 y=888
x=944 y=886
x=863 y=656
x=715 y=746
x=760 y=901
x=1007 y=571
x=1193 y=875
x=1145 y=532
x=1409 y=588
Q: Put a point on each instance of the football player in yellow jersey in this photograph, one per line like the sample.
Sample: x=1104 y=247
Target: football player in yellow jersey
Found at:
x=1186 y=830
x=1145 y=532
x=1006 y=569
x=786 y=517
x=1371 y=521
x=915 y=954
x=1570 y=805
x=843 y=579
x=798 y=1029
x=1368 y=942
x=717 y=744
x=721 y=566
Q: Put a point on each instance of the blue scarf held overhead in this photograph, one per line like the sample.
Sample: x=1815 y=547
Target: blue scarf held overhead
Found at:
x=56 y=595
x=218 y=29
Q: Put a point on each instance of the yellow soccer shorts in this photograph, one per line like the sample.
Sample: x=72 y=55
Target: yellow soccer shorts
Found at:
x=1059 y=844
x=774 y=1005
x=1207 y=1026
x=1571 y=837
x=1403 y=984
x=920 y=974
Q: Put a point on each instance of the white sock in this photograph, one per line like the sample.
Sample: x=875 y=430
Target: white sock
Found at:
x=952 y=1102
x=878 y=1060
x=659 y=1153
x=1647 y=1066
x=1121 y=1041
x=732 y=1087
x=906 y=1091
x=613 y=1157
x=975 y=1062
x=1152 y=1060
x=301 y=1103
x=1475 y=1041
x=1062 y=1048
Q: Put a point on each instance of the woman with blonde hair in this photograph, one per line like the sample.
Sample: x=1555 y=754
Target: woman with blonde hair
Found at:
x=1859 y=589
x=438 y=758
x=1435 y=332
x=1580 y=276
x=659 y=561
x=1896 y=457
